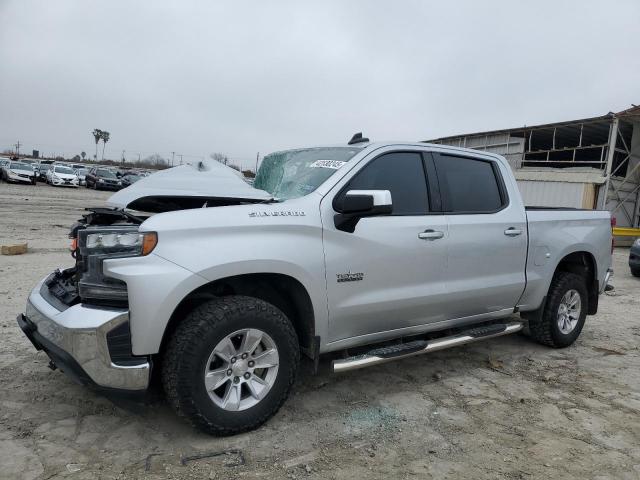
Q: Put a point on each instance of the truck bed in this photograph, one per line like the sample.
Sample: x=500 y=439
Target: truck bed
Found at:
x=553 y=234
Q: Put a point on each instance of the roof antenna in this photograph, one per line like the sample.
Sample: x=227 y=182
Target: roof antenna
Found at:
x=358 y=138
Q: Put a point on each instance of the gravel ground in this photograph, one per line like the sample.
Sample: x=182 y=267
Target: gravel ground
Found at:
x=505 y=408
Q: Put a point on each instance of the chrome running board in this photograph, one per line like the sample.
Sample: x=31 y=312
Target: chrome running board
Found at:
x=418 y=347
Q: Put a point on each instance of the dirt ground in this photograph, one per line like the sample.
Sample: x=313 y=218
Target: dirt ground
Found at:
x=506 y=408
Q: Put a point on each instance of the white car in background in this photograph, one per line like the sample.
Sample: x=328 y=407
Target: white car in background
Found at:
x=62 y=176
x=19 y=172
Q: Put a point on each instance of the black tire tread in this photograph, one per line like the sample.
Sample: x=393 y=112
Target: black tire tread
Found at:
x=199 y=321
x=540 y=330
x=635 y=272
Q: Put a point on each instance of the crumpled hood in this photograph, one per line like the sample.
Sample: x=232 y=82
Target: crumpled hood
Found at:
x=187 y=186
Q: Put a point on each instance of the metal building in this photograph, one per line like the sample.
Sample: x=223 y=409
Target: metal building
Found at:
x=586 y=163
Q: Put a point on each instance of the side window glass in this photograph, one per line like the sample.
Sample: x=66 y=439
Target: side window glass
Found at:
x=468 y=185
x=402 y=173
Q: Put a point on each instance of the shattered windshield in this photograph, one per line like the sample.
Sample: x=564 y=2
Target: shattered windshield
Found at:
x=295 y=173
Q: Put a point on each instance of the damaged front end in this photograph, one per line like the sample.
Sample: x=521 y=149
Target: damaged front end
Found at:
x=100 y=234
x=80 y=316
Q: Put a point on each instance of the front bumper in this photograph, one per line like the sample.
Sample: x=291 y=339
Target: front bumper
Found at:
x=16 y=178
x=108 y=186
x=62 y=183
x=76 y=341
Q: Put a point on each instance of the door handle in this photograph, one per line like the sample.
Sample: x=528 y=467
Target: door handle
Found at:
x=512 y=232
x=430 y=235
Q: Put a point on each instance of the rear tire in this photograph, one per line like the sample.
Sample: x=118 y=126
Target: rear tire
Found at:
x=564 y=312
x=196 y=352
x=635 y=272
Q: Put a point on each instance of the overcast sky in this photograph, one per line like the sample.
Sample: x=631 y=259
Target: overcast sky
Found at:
x=245 y=76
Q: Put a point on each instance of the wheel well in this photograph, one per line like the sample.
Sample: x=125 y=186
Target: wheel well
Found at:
x=583 y=264
x=282 y=291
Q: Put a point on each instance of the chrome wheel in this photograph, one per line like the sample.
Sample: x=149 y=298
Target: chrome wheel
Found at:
x=569 y=311
x=241 y=369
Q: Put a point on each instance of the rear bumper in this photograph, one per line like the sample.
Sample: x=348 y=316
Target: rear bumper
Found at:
x=76 y=341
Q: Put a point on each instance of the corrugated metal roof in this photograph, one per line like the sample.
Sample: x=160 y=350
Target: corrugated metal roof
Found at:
x=633 y=111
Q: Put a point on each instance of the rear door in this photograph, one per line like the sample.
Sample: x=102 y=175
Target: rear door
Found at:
x=386 y=275
x=487 y=235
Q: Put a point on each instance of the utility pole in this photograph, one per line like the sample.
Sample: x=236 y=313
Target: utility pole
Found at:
x=257 y=158
x=180 y=159
x=17 y=145
x=173 y=154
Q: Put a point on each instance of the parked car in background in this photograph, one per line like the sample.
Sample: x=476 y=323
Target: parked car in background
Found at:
x=62 y=176
x=100 y=178
x=634 y=258
x=3 y=163
x=42 y=167
x=82 y=174
x=129 y=179
x=19 y=172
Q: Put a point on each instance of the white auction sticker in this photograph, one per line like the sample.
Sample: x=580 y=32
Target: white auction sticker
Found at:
x=333 y=164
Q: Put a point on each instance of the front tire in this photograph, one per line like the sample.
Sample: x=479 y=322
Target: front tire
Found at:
x=564 y=312
x=230 y=364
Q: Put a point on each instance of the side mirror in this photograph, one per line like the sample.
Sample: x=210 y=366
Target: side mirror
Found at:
x=358 y=204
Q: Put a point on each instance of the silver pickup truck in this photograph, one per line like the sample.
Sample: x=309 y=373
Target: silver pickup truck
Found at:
x=376 y=251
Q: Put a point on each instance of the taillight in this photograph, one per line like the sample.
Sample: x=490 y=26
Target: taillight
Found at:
x=613 y=240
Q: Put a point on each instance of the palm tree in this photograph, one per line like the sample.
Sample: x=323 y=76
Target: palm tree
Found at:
x=105 y=139
x=97 y=135
x=83 y=154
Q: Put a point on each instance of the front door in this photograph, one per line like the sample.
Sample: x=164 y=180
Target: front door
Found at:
x=389 y=273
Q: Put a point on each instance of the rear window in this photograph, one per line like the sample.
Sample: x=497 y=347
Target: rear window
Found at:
x=468 y=185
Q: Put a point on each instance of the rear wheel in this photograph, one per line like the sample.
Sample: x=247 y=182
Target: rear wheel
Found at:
x=230 y=364
x=635 y=272
x=564 y=312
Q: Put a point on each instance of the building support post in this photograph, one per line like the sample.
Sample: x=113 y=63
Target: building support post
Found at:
x=613 y=137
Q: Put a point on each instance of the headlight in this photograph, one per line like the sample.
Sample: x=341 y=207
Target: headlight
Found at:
x=637 y=243
x=130 y=242
x=100 y=180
